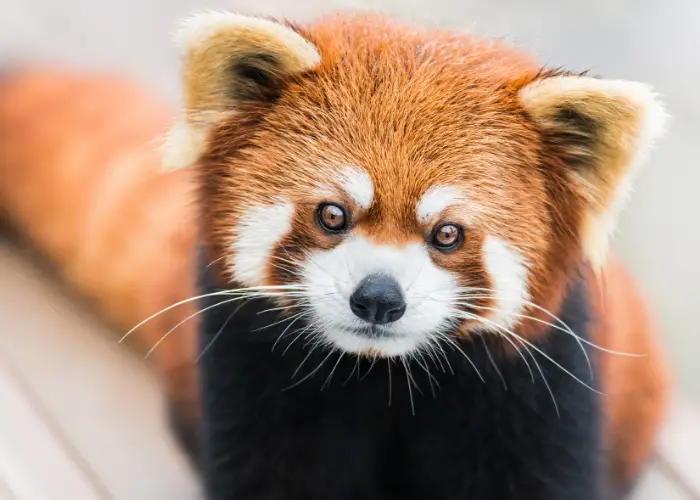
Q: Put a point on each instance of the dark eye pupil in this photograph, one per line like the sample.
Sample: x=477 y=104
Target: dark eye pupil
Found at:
x=332 y=217
x=446 y=235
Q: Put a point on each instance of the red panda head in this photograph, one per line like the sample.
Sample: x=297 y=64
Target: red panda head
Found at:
x=411 y=184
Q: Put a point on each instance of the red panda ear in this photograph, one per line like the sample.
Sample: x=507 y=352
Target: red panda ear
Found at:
x=603 y=130
x=228 y=59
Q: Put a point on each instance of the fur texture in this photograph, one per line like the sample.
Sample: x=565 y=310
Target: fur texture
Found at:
x=411 y=110
x=241 y=45
x=81 y=181
x=358 y=428
x=541 y=161
x=419 y=109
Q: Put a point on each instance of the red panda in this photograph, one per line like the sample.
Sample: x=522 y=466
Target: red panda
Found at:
x=415 y=223
x=407 y=196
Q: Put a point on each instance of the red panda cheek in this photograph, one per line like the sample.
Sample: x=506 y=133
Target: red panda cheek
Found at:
x=466 y=264
x=293 y=250
x=257 y=232
x=494 y=277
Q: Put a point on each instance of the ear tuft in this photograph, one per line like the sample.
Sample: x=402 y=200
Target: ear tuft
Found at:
x=200 y=31
x=603 y=130
x=227 y=60
x=183 y=145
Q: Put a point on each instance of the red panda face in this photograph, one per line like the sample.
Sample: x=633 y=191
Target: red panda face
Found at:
x=390 y=223
x=408 y=186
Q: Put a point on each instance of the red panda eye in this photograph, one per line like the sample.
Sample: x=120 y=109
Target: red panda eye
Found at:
x=447 y=237
x=332 y=218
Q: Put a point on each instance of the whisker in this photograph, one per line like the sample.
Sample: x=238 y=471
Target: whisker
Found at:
x=409 y=380
x=537 y=365
x=493 y=362
x=274 y=309
x=290 y=261
x=568 y=330
x=206 y=295
x=330 y=375
x=278 y=322
x=532 y=346
x=439 y=350
x=313 y=348
x=215 y=261
x=476 y=317
x=301 y=332
x=434 y=355
x=167 y=334
x=431 y=379
x=293 y=272
x=544 y=379
x=527 y=365
x=296 y=318
x=585 y=341
x=203 y=296
x=313 y=372
x=355 y=367
x=457 y=347
x=218 y=333
x=158 y=140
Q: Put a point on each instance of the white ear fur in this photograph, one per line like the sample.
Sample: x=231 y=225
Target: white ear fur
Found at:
x=211 y=44
x=606 y=129
x=183 y=145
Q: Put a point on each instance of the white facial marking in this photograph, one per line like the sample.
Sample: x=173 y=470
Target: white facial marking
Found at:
x=358 y=186
x=428 y=291
x=260 y=228
x=508 y=272
x=435 y=200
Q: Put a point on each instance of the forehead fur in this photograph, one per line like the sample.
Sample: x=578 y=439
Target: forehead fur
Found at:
x=412 y=108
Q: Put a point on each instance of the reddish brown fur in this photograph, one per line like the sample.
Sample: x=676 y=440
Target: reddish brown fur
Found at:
x=413 y=108
x=80 y=180
x=636 y=389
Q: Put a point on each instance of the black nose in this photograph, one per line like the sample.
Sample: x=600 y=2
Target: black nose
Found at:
x=378 y=299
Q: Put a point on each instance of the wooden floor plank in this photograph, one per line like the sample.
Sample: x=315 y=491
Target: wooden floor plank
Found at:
x=34 y=463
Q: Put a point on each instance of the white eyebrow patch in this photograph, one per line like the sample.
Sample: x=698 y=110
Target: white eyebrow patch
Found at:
x=358 y=186
x=435 y=200
x=259 y=229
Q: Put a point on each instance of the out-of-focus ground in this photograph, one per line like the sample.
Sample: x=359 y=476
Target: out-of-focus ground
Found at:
x=58 y=365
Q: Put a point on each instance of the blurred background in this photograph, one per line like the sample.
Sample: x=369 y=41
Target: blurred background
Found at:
x=102 y=405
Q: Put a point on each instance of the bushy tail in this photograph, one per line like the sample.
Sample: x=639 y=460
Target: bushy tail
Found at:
x=80 y=180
